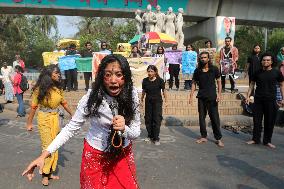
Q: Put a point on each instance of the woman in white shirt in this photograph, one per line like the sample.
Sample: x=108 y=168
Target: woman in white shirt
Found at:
x=112 y=107
x=7 y=72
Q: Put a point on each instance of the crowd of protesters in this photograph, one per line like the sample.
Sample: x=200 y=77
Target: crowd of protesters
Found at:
x=114 y=85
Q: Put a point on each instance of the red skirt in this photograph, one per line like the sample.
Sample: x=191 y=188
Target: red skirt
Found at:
x=100 y=171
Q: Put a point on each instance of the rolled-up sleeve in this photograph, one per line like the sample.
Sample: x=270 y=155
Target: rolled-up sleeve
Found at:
x=132 y=131
x=72 y=127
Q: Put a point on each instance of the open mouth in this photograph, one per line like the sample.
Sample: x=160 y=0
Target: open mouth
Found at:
x=114 y=89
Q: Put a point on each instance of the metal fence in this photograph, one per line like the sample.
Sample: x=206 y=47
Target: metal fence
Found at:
x=34 y=76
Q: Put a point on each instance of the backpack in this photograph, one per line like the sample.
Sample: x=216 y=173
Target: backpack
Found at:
x=24 y=85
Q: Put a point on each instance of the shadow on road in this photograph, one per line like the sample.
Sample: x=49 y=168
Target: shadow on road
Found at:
x=270 y=181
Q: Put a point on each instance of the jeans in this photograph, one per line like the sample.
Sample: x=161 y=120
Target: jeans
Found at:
x=21 y=109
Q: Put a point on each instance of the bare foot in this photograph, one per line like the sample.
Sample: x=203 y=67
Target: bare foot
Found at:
x=220 y=143
x=270 y=145
x=44 y=181
x=251 y=142
x=201 y=140
x=54 y=177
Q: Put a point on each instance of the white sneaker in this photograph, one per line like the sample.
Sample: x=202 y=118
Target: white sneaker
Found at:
x=147 y=139
x=157 y=143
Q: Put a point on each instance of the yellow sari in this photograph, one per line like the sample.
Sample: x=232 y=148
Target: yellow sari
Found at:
x=48 y=123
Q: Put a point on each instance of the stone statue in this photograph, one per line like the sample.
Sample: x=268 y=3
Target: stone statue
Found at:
x=139 y=23
x=170 y=22
x=149 y=18
x=160 y=25
x=179 y=25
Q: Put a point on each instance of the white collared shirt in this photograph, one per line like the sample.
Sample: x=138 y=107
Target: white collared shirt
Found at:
x=99 y=130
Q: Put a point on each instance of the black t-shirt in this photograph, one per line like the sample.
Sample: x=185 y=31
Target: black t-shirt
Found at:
x=266 y=83
x=254 y=64
x=87 y=53
x=153 y=88
x=206 y=82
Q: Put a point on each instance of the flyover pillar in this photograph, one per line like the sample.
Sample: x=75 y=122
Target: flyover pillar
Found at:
x=215 y=29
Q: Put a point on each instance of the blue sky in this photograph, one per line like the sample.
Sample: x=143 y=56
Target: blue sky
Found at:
x=67 y=25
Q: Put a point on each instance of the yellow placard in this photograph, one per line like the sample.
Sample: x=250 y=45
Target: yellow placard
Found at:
x=51 y=57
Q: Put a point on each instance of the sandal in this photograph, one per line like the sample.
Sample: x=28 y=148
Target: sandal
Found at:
x=44 y=181
x=54 y=177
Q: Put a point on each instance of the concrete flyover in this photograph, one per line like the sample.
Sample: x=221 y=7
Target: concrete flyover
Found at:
x=247 y=12
x=203 y=12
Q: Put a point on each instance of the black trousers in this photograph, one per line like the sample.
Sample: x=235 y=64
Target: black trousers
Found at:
x=153 y=118
x=63 y=83
x=267 y=109
x=71 y=77
x=174 y=73
x=223 y=79
x=252 y=92
x=210 y=106
x=87 y=77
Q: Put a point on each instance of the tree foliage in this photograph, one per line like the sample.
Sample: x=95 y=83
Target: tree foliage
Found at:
x=19 y=34
x=248 y=36
x=111 y=30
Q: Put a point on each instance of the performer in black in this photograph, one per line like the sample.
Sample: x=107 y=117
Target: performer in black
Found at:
x=152 y=87
x=205 y=76
x=265 y=105
x=88 y=52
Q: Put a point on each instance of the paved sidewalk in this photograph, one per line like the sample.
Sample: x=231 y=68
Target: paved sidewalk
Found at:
x=178 y=163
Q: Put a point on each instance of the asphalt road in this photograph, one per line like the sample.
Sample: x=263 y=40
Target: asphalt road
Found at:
x=178 y=163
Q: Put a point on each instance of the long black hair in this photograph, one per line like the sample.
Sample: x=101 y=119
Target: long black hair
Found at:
x=45 y=82
x=253 y=52
x=124 y=99
x=155 y=69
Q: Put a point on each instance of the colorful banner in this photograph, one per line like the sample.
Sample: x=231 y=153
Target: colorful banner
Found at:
x=189 y=62
x=97 y=58
x=51 y=57
x=139 y=66
x=212 y=54
x=226 y=27
x=227 y=67
x=173 y=57
x=84 y=64
x=67 y=62
x=96 y=4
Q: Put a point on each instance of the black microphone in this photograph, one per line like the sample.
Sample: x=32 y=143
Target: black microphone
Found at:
x=114 y=110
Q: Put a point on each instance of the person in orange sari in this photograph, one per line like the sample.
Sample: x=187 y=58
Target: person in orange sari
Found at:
x=48 y=96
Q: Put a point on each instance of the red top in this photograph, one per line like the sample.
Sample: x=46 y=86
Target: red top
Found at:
x=16 y=84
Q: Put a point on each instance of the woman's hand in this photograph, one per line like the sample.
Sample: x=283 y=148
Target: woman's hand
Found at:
x=29 y=171
x=118 y=123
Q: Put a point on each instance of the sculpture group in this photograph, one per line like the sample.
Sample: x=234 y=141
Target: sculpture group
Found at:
x=168 y=23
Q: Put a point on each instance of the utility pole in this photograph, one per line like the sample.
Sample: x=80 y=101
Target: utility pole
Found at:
x=265 y=38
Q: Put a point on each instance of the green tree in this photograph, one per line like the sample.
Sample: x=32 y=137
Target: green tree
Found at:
x=275 y=40
x=45 y=23
x=110 y=30
x=18 y=34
